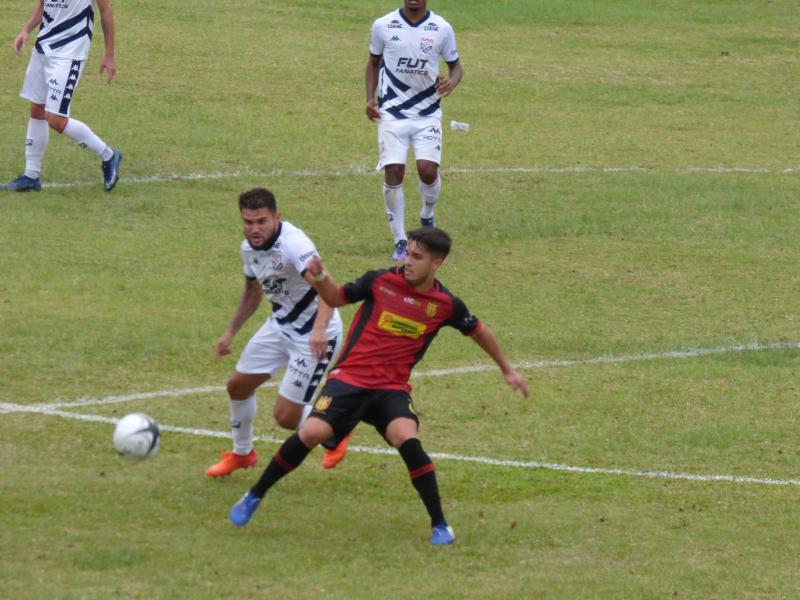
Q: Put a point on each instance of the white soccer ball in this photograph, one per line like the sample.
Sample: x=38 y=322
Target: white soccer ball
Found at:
x=137 y=436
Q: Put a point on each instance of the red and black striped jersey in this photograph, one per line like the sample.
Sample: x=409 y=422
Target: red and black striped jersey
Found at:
x=393 y=328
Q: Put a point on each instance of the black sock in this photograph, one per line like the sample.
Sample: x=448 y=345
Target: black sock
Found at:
x=423 y=477
x=286 y=459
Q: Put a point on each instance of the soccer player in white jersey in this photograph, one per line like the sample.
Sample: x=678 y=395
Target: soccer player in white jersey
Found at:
x=302 y=334
x=57 y=61
x=403 y=67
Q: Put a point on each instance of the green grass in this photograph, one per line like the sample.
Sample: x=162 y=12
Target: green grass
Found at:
x=105 y=294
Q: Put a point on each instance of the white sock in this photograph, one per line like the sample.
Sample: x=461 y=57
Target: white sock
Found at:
x=306 y=411
x=35 y=145
x=430 y=195
x=80 y=133
x=395 y=203
x=243 y=413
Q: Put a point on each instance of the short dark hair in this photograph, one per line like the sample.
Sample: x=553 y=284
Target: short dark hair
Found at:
x=258 y=198
x=434 y=240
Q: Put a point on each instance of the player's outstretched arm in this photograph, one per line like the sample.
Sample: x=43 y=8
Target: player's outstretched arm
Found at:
x=30 y=25
x=488 y=343
x=248 y=304
x=318 y=276
x=107 y=64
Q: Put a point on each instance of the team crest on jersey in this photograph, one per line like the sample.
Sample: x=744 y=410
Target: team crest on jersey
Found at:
x=397 y=325
x=277 y=262
x=322 y=403
x=426 y=45
x=431 y=309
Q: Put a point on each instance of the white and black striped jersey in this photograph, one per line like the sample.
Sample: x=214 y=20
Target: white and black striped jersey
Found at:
x=66 y=29
x=279 y=268
x=411 y=53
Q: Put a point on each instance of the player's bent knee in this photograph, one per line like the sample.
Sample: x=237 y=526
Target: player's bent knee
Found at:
x=286 y=419
x=314 y=432
x=38 y=111
x=56 y=122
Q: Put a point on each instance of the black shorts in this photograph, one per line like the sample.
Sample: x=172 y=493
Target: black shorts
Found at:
x=342 y=406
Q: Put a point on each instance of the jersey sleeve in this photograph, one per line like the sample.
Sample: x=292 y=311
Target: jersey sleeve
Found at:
x=376 y=40
x=248 y=271
x=449 y=48
x=301 y=251
x=361 y=288
x=462 y=319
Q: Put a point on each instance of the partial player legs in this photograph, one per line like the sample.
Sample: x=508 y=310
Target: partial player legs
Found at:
x=401 y=433
x=394 y=202
x=243 y=408
x=430 y=186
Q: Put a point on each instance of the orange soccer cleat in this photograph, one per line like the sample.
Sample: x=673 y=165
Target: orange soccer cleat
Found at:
x=331 y=458
x=230 y=462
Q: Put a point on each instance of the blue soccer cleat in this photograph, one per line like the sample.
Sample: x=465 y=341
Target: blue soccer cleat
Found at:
x=23 y=183
x=400 y=250
x=242 y=511
x=111 y=170
x=427 y=222
x=442 y=534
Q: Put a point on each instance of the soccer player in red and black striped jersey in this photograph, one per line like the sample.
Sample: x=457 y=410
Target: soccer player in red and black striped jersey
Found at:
x=403 y=309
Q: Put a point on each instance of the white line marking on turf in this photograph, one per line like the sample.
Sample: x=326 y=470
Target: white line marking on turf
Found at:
x=482 y=460
x=349 y=171
x=480 y=368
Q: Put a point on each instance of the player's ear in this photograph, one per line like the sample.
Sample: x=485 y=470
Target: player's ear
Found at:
x=437 y=262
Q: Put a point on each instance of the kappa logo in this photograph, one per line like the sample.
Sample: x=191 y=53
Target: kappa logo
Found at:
x=28 y=141
x=397 y=325
x=395 y=38
x=322 y=403
x=297 y=383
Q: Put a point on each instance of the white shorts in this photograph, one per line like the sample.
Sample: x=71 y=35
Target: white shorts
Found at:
x=52 y=81
x=424 y=134
x=271 y=349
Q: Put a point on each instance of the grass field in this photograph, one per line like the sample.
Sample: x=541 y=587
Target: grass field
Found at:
x=627 y=195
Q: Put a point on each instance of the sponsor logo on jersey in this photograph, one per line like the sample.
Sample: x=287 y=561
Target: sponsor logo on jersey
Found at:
x=412 y=66
x=426 y=45
x=397 y=325
x=431 y=309
x=52 y=81
x=412 y=301
x=322 y=403
x=431 y=27
x=387 y=291
x=435 y=130
x=307 y=255
x=395 y=24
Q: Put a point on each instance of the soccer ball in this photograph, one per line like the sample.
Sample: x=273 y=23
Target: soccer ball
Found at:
x=137 y=436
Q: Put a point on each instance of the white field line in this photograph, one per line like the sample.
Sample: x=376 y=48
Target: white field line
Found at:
x=482 y=460
x=350 y=171
x=479 y=368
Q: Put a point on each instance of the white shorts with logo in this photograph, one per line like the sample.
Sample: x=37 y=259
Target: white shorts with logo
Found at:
x=424 y=134
x=272 y=348
x=52 y=81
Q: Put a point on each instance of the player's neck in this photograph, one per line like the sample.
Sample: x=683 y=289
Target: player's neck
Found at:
x=424 y=287
x=414 y=17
